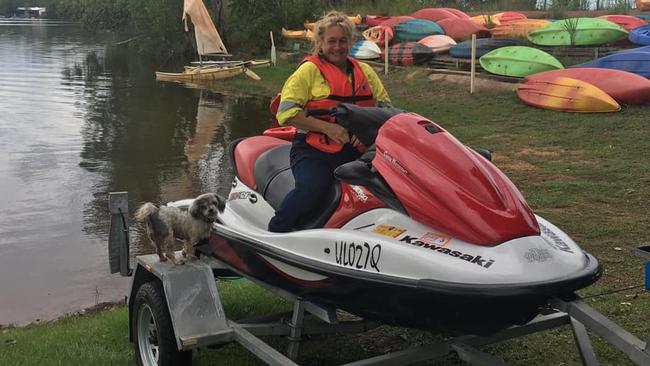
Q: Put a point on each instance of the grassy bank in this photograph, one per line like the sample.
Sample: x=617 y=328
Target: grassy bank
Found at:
x=589 y=174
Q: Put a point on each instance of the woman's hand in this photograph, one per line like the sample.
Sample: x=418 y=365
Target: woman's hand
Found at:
x=337 y=133
x=354 y=141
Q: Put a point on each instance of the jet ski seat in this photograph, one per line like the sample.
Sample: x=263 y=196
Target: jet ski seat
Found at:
x=274 y=180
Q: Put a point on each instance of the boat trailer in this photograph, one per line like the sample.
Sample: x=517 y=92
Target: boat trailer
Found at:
x=176 y=309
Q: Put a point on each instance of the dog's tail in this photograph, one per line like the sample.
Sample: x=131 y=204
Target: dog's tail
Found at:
x=145 y=212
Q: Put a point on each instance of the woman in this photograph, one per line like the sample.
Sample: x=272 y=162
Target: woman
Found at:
x=323 y=80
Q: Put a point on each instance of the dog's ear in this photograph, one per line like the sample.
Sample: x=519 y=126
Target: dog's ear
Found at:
x=221 y=202
x=195 y=210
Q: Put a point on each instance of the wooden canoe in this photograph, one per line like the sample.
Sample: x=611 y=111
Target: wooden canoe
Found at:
x=192 y=73
x=518 y=28
x=566 y=95
x=624 y=87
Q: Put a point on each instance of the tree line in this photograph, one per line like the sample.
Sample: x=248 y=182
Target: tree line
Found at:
x=155 y=25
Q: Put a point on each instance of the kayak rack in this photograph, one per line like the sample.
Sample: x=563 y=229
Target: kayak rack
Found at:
x=181 y=306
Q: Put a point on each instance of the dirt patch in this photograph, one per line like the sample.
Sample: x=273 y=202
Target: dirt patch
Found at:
x=480 y=84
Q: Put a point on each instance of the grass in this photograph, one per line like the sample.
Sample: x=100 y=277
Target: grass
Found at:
x=587 y=173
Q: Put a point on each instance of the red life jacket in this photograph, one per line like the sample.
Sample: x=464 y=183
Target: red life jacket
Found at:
x=341 y=91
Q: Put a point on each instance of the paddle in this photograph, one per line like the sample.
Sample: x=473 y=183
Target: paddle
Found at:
x=273 y=56
x=251 y=74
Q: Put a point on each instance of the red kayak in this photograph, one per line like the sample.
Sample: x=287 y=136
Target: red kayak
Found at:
x=434 y=14
x=462 y=29
x=625 y=87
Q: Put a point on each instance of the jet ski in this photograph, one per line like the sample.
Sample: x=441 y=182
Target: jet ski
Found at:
x=421 y=231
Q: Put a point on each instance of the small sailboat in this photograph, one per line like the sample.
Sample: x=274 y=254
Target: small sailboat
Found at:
x=208 y=43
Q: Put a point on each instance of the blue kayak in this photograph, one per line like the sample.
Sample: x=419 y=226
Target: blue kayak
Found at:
x=641 y=35
x=416 y=29
x=483 y=46
x=636 y=61
x=643 y=17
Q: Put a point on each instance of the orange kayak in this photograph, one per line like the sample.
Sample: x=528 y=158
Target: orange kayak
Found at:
x=566 y=95
x=518 y=28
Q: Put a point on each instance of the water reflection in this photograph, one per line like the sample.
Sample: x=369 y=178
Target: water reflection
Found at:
x=76 y=122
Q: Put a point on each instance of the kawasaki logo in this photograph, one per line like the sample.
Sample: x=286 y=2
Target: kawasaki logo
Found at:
x=478 y=260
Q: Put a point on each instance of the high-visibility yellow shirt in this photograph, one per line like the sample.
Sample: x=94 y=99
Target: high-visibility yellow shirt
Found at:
x=307 y=83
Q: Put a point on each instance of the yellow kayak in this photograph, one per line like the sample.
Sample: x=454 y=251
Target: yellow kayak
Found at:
x=566 y=95
x=305 y=34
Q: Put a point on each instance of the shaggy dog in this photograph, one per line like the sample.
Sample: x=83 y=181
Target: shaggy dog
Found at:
x=164 y=224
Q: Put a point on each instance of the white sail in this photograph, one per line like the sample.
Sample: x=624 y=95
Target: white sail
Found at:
x=208 y=40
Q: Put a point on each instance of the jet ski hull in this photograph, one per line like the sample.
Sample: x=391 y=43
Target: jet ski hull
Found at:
x=424 y=304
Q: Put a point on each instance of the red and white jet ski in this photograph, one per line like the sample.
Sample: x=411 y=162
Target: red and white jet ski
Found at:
x=421 y=231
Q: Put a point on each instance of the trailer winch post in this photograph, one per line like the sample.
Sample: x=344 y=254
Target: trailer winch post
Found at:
x=118 y=237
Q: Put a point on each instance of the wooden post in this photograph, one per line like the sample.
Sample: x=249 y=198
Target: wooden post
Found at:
x=386 y=51
x=473 y=68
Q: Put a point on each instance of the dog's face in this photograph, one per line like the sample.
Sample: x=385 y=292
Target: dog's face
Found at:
x=206 y=207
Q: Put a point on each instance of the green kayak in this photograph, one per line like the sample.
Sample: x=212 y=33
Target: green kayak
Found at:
x=586 y=32
x=518 y=61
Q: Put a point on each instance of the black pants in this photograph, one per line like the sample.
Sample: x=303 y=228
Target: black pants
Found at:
x=313 y=173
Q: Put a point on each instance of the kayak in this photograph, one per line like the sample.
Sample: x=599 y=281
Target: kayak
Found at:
x=416 y=29
x=518 y=28
x=628 y=22
x=461 y=29
x=409 y=53
x=625 y=87
x=636 y=61
x=483 y=46
x=498 y=18
x=378 y=34
x=589 y=32
x=641 y=35
x=438 y=43
x=365 y=50
x=433 y=14
x=566 y=95
x=518 y=61
x=305 y=34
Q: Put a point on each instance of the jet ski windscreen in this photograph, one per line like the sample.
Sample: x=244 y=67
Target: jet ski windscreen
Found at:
x=363 y=122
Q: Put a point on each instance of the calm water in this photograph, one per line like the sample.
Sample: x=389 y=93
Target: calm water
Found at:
x=75 y=125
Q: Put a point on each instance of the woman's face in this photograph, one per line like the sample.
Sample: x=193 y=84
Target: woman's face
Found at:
x=336 y=46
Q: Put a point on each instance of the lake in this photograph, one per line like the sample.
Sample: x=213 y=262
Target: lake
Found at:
x=79 y=119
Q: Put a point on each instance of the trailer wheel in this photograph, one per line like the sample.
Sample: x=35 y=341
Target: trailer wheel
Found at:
x=153 y=334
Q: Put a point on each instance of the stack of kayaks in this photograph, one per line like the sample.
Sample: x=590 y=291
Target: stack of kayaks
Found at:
x=578 y=32
x=641 y=35
x=518 y=61
x=415 y=30
x=627 y=22
x=636 y=61
x=566 y=94
x=409 y=53
x=438 y=43
x=365 y=50
x=518 y=28
x=624 y=87
x=483 y=46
